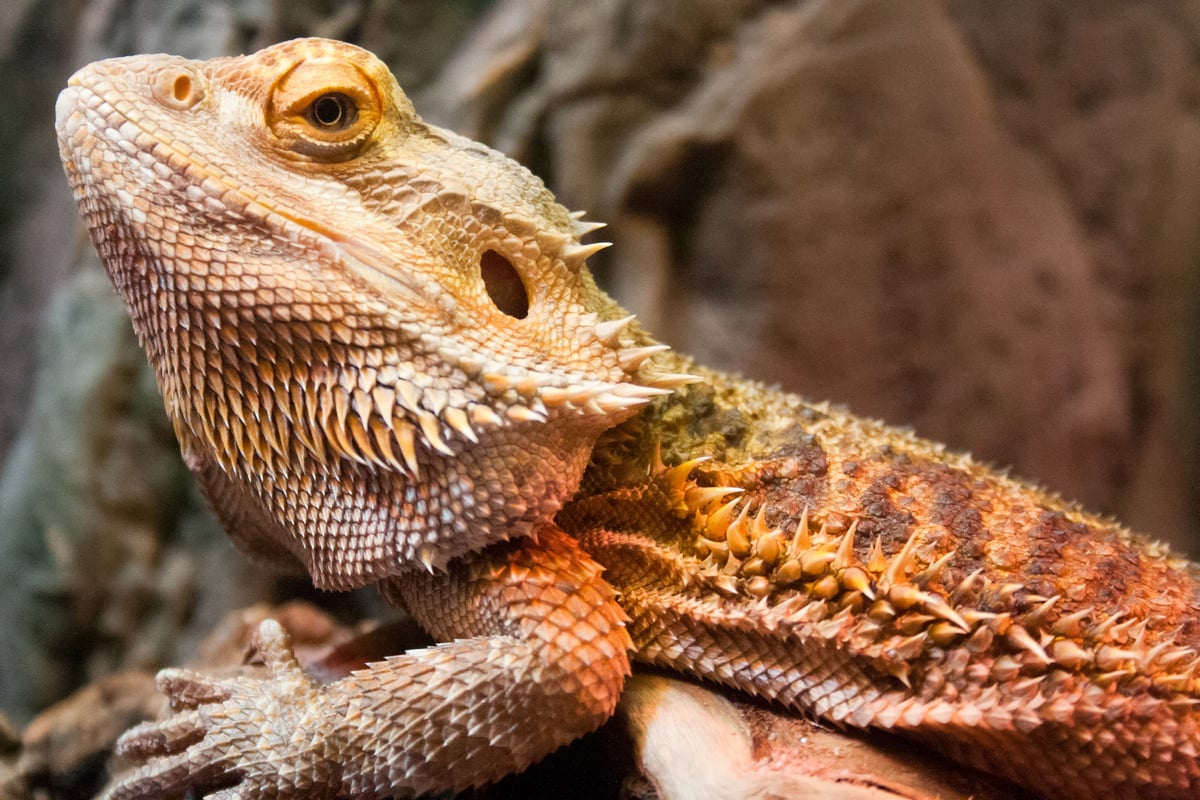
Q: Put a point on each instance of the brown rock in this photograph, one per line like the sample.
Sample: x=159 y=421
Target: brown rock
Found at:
x=65 y=750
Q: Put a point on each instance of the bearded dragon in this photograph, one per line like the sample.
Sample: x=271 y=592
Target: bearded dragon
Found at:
x=386 y=362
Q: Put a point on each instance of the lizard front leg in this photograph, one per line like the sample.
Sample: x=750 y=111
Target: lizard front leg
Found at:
x=533 y=626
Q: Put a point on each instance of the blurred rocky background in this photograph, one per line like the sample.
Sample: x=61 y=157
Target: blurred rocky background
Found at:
x=976 y=218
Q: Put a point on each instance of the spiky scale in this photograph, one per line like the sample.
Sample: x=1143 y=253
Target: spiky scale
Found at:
x=631 y=358
x=769 y=546
x=699 y=497
x=897 y=569
x=826 y=588
x=717 y=524
x=671 y=380
x=431 y=430
x=844 y=557
x=484 y=416
x=1070 y=654
x=524 y=414
x=737 y=534
x=406 y=437
x=857 y=579
x=609 y=331
x=576 y=254
x=789 y=573
x=458 y=421
x=815 y=562
x=802 y=538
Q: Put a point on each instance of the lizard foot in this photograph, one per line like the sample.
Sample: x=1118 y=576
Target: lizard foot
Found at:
x=239 y=737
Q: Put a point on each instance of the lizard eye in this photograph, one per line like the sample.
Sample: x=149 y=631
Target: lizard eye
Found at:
x=332 y=112
x=324 y=109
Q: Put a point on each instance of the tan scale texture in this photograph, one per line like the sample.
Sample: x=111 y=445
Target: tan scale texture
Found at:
x=311 y=287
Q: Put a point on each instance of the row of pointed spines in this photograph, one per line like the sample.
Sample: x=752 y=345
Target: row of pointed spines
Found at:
x=365 y=433
x=374 y=427
x=752 y=653
x=387 y=423
x=1151 y=548
x=901 y=608
x=358 y=417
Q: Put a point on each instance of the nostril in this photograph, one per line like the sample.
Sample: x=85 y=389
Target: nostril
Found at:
x=504 y=285
x=176 y=88
x=182 y=88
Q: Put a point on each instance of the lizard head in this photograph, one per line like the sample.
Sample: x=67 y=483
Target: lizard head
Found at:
x=383 y=334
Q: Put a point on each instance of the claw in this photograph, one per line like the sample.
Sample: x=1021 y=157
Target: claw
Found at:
x=274 y=646
x=188 y=689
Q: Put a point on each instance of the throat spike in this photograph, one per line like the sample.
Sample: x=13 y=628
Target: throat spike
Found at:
x=609 y=331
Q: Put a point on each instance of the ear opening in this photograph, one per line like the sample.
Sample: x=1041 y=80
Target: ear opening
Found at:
x=503 y=284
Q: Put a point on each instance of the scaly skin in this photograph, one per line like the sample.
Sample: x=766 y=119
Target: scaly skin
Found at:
x=386 y=362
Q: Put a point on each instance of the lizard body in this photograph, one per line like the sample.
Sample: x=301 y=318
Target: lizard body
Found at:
x=386 y=362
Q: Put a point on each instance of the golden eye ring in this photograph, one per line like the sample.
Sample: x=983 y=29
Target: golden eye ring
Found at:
x=324 y=110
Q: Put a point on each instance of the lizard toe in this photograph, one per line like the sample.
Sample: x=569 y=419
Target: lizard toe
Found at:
x=172 y=777
x=186 y=688
x=274 y=646
x=166 y=737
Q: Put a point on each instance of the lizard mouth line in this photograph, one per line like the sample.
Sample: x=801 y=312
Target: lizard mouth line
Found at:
x=81 y=104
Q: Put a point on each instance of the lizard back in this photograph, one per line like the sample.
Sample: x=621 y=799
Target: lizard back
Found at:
x=386 y=360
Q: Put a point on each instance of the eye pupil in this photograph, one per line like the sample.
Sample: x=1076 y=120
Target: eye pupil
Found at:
x=332 y=111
